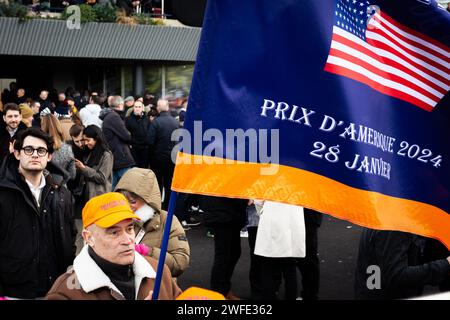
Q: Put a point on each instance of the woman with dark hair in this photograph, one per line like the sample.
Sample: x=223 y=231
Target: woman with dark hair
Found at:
x=96 y=171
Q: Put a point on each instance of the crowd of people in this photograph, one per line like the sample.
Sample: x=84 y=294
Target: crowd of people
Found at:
x=128 y=6
x=84 y=189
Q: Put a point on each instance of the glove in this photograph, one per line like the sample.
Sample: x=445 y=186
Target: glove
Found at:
x=143 y=249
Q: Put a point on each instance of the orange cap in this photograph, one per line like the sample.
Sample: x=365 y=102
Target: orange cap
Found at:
x=195 y=293
x=106 y=210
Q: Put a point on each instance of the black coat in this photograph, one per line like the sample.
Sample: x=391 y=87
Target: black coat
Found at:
x=46 y=104
x=159 y=136
x=221 y=210
x=313 y=218
x=5 y=138
x=37 y=244
x=402 y=268
x=138 y=127
x=118 y=138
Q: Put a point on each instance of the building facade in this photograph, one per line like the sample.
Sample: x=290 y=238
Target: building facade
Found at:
x=105 y=57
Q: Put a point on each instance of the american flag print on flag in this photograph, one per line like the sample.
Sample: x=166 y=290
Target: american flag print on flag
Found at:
x=371 y=47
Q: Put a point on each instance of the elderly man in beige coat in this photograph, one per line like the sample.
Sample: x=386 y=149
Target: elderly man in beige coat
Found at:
x=141 y=189
x=108 y=267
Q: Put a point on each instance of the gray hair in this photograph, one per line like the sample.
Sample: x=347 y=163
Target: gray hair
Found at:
x=116 y=101
x=162 y=105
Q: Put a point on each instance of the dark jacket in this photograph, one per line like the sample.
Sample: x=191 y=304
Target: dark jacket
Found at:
x=36 y=243
x=46 y=104
x=159 y=136
x=402 y=271
x=220 y=210
x=118 y=138
x=138 y=127
x=313 y=218
x=5 y=138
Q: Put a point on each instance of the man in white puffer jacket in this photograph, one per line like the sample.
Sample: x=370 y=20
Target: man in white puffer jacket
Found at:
x=89 y=114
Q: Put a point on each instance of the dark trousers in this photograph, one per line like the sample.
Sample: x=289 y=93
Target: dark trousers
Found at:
x=163 y=170
x=141 y=156
x=309 y=266
x=227 y=250
x=183 y=206
x=274 y=270
x=435 y=250
x=255 y=274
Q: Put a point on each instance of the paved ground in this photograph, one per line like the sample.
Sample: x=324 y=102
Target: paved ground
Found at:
x=338 y=249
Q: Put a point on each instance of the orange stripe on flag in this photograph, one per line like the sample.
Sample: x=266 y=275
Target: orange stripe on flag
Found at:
x=300 y=187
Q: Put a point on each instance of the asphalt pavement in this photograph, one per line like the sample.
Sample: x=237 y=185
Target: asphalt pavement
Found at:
x=338 y=250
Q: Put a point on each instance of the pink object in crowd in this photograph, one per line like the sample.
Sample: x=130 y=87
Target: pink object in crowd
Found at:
x=142 y=249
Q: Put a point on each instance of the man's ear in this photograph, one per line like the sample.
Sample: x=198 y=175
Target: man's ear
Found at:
x=17 y=154
x=87 y=236
x=50 y=156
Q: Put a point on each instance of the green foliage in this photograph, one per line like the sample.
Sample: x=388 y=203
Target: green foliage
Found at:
x=142 y=18
x=14 y=9
x=105 y=13
x=86 y=11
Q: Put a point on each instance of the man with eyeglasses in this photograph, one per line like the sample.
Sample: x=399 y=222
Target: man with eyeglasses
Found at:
x=37 y=233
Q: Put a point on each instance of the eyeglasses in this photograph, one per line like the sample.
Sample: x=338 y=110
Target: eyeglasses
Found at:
x=29 y=151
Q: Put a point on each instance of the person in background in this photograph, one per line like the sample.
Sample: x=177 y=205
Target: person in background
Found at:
x=152 y=114
x=90 y=113
x=309 y=266
x=255 y=273
x=226 y=217
x=27 y=114
x=279 y=240
x=62 y=155
x=129 y=102
x=64 y=114
x=96 y=170
x=159 y=139
x=399 y=257
x=118 y=138
x=75 y=185
x=137 y=124
x=35 y=107
x=141 y=189
x=21 y=98
x=12 y=125
x=45 y=102
x=77 y=142
x=61 y=106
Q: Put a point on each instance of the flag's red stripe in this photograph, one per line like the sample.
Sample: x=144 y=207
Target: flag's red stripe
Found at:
x=383 y=46
x=387 y=61
x=384 y=74
x=377 y=86
x=415 y=33
x=414 y=42
x=411 y=52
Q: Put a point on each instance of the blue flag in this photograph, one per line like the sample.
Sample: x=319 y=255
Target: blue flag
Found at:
x=341 y=106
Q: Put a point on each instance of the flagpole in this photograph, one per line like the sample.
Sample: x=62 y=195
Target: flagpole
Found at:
x=165 y=241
